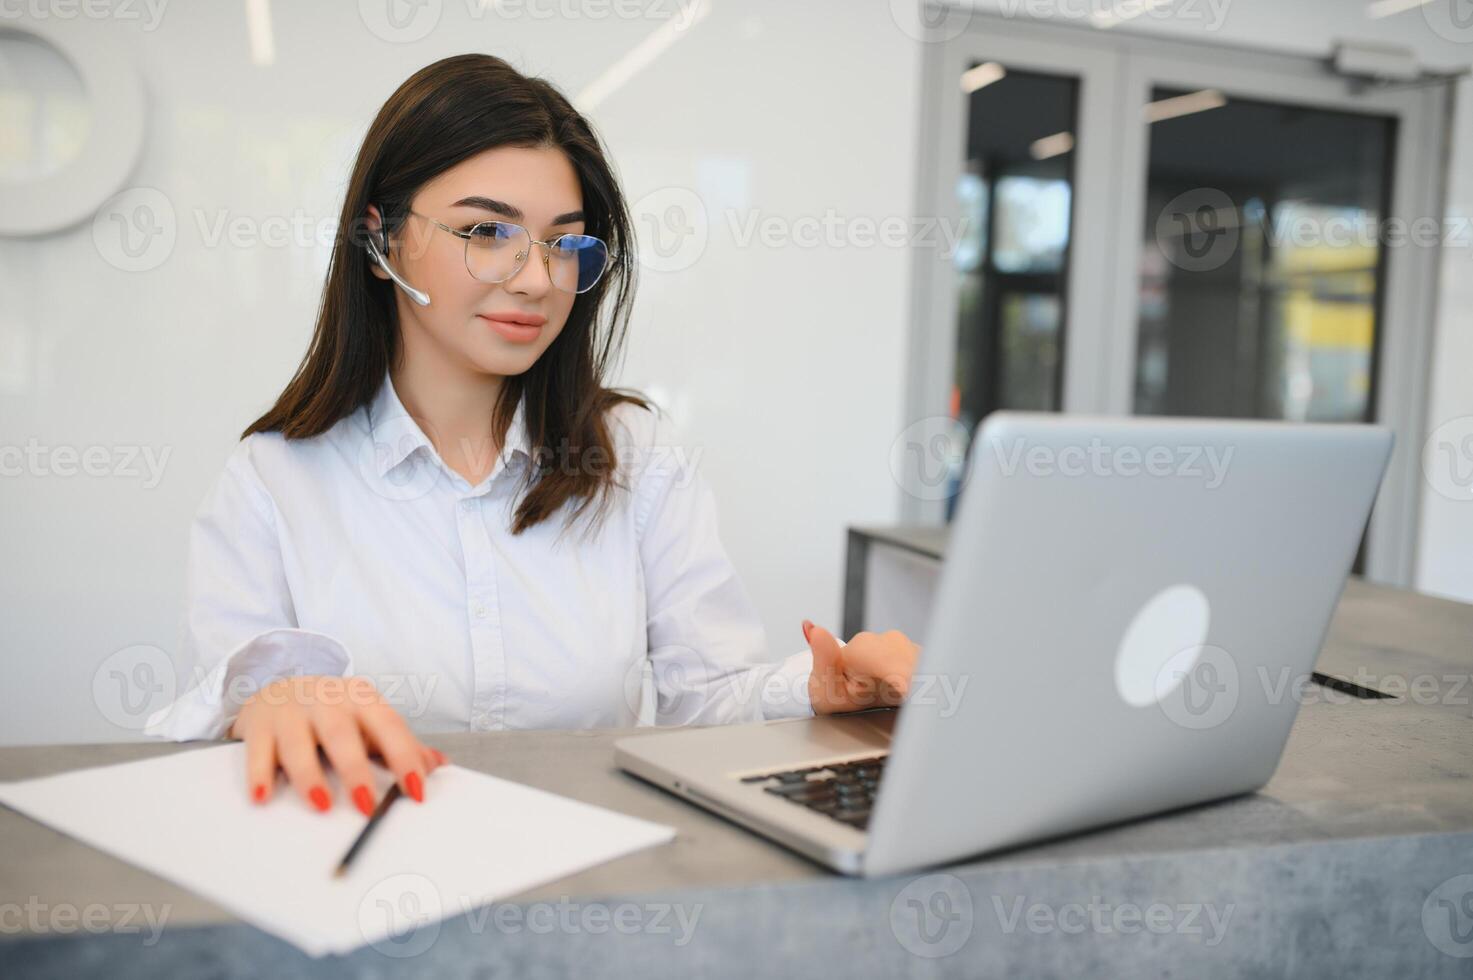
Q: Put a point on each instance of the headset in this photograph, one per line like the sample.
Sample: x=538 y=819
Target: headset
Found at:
x=380 y=254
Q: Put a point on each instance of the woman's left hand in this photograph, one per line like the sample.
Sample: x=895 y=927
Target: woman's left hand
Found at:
x=872 y=670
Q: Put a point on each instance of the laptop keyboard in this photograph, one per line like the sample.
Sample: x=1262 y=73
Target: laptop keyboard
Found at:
x=844 y=791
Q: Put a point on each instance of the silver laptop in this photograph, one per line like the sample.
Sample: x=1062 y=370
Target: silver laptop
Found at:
x=1120 y=607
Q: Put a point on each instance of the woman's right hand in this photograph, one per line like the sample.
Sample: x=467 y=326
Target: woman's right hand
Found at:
x=284 y=723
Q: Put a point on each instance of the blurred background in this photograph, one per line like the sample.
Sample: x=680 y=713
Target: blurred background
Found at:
x=864 y=225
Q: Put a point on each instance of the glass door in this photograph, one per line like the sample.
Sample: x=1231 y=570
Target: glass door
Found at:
x=1018 y=163
x=1167 y=228
x=1269 y=258
x=1259 y=290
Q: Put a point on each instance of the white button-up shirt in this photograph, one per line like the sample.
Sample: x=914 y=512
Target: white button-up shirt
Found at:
x=358 y=551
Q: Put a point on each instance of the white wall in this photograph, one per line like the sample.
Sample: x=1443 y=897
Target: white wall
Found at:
x=785 y=364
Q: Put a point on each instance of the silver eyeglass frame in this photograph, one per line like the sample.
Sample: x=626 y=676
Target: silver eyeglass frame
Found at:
x=522 y=258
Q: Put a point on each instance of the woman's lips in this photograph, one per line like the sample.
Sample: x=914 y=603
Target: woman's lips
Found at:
x=519 y=328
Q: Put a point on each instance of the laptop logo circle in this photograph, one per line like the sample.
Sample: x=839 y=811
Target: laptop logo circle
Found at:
x=1169 y=631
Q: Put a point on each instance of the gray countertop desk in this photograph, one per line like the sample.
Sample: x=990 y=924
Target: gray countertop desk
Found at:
x=1355 y=861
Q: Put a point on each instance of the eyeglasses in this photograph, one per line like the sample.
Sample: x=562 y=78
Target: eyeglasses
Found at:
x=496 y=250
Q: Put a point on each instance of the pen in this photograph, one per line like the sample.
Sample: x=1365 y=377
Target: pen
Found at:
x=378 y=814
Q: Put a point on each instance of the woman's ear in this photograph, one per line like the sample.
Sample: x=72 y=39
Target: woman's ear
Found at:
x=373 y=228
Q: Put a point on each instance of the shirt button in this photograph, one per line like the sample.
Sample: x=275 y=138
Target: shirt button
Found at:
x=466 y=506
x=479 y=610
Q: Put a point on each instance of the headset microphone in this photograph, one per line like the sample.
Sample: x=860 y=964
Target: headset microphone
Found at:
x=418 y=295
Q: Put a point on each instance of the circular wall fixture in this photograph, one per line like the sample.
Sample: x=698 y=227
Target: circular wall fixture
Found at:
x=70 y=190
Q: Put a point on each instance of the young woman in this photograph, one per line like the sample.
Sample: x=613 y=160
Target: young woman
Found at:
x=391 y=550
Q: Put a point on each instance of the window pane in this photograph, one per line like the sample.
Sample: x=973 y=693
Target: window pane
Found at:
x=1259 y=286
x=1016 y=198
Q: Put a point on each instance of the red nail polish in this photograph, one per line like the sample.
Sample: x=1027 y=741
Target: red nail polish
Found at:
x=259 y=793
x=414 y=787
x=319 y=799
x=363 y=799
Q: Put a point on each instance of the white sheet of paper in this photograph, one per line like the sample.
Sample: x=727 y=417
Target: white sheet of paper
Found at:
x=475 y=839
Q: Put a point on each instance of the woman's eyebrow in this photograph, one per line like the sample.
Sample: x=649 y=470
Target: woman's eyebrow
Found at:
x=512 y=211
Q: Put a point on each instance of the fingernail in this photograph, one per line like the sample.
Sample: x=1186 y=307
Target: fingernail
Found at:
x=259 y=793
x=807 y=628
x=363 y=799
x=319 y=799
x=414 y=787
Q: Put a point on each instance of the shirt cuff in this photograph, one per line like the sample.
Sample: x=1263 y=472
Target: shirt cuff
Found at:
x=785 y=692
x=208 y=710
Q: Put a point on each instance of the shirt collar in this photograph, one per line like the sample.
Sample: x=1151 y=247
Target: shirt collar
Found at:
x=397 y=436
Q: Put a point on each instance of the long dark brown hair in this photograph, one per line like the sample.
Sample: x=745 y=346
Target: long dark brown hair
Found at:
x=443 y=114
